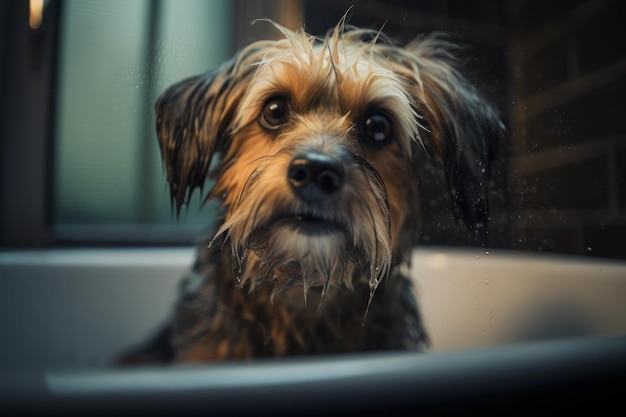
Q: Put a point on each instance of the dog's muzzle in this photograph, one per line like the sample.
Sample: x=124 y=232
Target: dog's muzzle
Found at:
x=314 y=176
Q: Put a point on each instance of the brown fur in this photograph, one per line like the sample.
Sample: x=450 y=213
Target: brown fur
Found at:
x=289 y=272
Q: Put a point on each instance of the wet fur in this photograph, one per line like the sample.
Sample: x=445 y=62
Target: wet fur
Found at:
x=260 y=287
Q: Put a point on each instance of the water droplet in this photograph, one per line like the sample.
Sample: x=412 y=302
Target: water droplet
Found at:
x=486 y=282
x=589 y=249
x=486 y=252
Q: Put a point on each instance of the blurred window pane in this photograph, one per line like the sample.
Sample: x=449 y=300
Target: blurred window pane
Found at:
x=115 y=58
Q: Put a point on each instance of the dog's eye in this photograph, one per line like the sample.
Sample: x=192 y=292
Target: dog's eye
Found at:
x=274 y=113
x=377 y=129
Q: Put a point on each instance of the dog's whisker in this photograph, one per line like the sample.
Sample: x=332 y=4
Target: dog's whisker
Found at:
x=380 y=259
x=246 y=185
x=260 y=158
x=247 y=228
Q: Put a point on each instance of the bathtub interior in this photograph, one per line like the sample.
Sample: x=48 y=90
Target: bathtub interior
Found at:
x=79 y=308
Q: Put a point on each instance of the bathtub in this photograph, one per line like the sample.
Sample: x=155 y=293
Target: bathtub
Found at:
x=500 y=323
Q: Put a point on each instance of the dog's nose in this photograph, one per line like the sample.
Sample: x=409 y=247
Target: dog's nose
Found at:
x=315 y=176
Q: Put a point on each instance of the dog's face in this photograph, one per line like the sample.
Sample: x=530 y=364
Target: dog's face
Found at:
x=318 y=143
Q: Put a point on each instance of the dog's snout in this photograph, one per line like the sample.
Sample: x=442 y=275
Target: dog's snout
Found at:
x=314 y=176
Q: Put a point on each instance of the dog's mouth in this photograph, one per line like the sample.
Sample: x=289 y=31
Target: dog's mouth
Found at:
x=310 y=223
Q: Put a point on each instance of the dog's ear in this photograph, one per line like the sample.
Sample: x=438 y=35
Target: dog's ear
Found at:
x=465 y=128
x=193 y=119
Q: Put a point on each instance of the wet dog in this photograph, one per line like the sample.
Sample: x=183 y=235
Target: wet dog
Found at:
x=312 y=146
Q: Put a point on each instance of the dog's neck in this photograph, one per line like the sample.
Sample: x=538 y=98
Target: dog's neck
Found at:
x=289 y=290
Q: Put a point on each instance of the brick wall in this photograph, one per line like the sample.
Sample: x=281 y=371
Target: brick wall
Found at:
x=567 y=69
